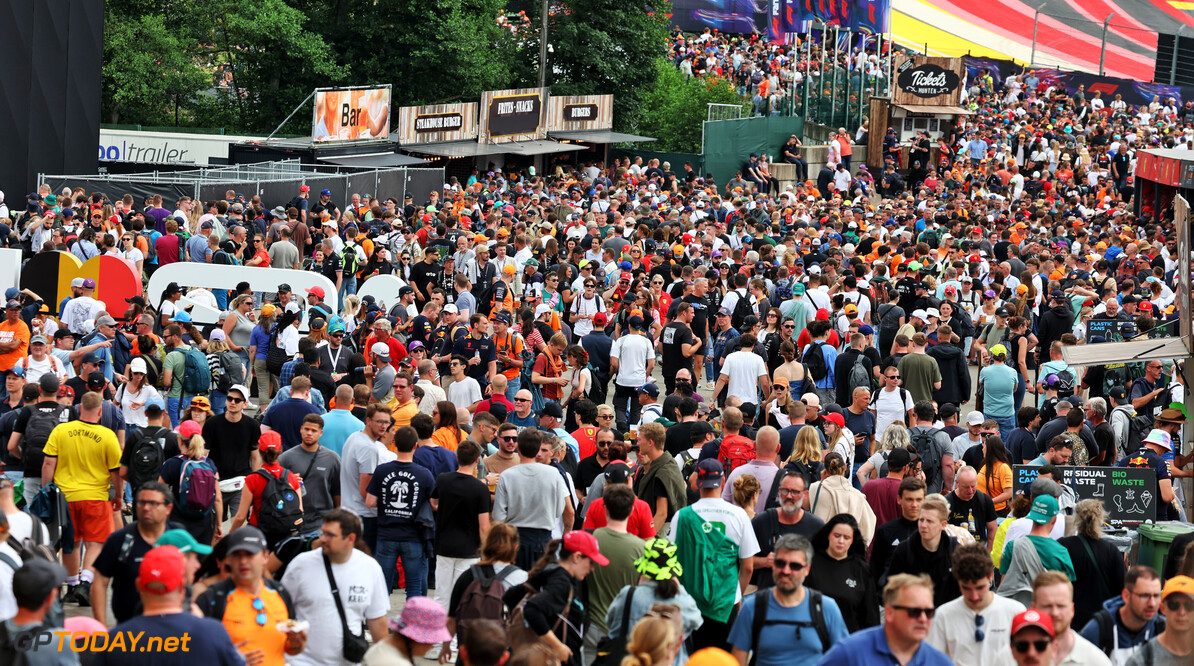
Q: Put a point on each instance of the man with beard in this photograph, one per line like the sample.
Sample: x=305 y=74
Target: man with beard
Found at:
x=776 y=524
x=788 y=603
x=907 y=613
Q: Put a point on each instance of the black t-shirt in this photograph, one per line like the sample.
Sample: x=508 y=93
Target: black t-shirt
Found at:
x=424 y=276
x=331 y=266
x=121 y=563
x=700 y=319
x=462 y=498
x=587 y=471
x=421 y=330
x=170 y=446
x=230 y=445
x=906 y=287
x=679 y=438
x=468 y=346
x=1105 y=439
x=768 y=530
x=674 y=336
x=980 y=504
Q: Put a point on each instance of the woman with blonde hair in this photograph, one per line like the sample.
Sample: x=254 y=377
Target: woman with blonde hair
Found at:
x=653 y=642
x=834 y=494
x=1096 y=561
x=238 y=327
x=806 y=453
x=746 y=493
x=894 y=436
x=200 y=516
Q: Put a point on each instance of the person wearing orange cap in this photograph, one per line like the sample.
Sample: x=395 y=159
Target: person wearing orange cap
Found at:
x=1175 y=645
x=161 y=587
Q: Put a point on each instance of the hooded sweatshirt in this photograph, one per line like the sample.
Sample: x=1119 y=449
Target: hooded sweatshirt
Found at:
x=1055 y=323
x=955 y=374
x=1127 y=637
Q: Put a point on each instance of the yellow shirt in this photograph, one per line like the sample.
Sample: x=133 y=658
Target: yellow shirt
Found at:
x=403 y=413
x=240 y=620
x=86 y=453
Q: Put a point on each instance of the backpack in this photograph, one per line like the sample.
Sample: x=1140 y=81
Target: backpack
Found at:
x=930 y=454
x=214 y=601
x=295 y=203
x=34 y=547
x=742 y=309
x=148 y=456
x=196 y=376
x=1106 y=625
x=37 y=431
x=281 y=513
x=816 y=610
x=735 y=450
x=482 y=599
x=221 y=379
x=1138 y=428
x=197 y=488
x=903 y=401
x=1065 y=383
x=275 y=356
x=860 y=374
x=688 y=463
x=350 y=261
x=814 y=361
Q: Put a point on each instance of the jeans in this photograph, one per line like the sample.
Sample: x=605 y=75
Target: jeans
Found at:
x=622 y=396
x=347 y=286
x=1021 y=388
x=801 y=167
x=175 y=406
x=1006 y=424
x=512 y=388
x=531 y=544
x=218 y=400
x=447 y=571
x=231 y=502
x=414 y=564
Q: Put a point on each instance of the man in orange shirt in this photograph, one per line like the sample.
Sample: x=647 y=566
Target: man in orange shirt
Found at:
x=14 y=337
x=251 y=606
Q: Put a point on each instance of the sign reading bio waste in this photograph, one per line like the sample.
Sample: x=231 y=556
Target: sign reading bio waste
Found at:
x=351 y=114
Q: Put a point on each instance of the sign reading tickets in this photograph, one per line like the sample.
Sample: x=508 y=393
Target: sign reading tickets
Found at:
x=351 y=114
x=513 y=115
x=924 y=80
x=1128 y=494
x=437 y=123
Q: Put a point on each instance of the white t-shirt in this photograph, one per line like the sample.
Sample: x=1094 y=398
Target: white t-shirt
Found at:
x=34 y=369
x=888 y=408
x=744 y=369
x=288 y=339
x=1022 y=526
x=632 y=352
x=585 y=306
x=953 y=630
x=464 y=392
x=8 y=603
x=133 y=256
x=362 y=593
x=733 y=522
x=136 y=415
x=361 y=455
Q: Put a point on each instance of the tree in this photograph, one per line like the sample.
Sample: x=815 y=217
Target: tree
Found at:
x=606 y=46
x=675 y=108
x=149 y=74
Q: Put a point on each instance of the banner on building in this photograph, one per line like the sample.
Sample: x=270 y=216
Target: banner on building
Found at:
x=351 y=114
x=437 y=123
x=579 y=113
x=513 y=115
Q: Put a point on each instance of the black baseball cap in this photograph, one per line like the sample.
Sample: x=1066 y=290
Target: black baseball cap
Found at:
x=709 y=473
x=617 y=473
x=248 y=538
x=35 y=580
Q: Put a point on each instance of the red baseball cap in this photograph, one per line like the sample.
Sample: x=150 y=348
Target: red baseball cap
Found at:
x=304 y=188
x=1032 y=618
x=836 y=418
x=188 y=429
x=161 y=570
x=270 y=439
x=600 y=319
x=580 y=541
x=317 y=291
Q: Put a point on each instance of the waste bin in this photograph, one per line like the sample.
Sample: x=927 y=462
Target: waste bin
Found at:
x=1155 y=539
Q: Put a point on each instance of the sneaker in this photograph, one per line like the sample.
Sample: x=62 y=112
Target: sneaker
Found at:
x=83 y=594
x=709 y=386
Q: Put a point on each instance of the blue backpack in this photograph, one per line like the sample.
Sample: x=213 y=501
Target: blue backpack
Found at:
x=196 y=376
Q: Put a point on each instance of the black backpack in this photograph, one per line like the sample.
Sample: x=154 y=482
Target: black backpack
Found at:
x=742 y=309
x=149 y=453
x=816 y=610
x=281 y=511
x=275 y=356
x=1106 y=625
x=37 y=431
x=1066 y=383
x=214 y=601
x=930 y=454
x=814 y=361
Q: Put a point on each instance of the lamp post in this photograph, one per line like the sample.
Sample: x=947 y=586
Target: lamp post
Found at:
x=1103 y=47
x=1035 y=20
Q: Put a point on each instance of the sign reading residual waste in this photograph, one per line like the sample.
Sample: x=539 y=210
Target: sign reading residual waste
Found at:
x=1128 y=494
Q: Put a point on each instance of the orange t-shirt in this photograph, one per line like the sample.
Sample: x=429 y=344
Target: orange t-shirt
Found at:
x=240 y=620
x=18 y=331
x=446 y=437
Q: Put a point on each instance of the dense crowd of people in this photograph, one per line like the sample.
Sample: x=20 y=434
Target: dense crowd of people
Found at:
x=616 y=415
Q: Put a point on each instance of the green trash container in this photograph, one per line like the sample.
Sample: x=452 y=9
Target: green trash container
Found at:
x=1155 y=539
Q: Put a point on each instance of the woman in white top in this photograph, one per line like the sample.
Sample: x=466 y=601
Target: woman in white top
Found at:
x=131 y=397
x=130 y=252
x=837 y=438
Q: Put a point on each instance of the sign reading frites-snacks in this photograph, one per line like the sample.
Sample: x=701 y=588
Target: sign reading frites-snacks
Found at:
x=513 y=115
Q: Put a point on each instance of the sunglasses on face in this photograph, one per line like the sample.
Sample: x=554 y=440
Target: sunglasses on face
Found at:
x=1039 y=646
x=783 y=565
x=1173 y=603
x=510 y=438
x=914 y=612
x=234 y=401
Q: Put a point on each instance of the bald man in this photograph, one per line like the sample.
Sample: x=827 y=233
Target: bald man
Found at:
x=764 y=467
